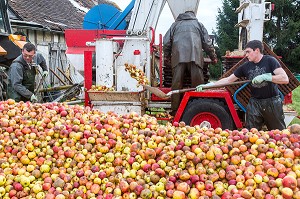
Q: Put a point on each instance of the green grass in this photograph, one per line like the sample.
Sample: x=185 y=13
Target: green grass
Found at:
x=296 y=104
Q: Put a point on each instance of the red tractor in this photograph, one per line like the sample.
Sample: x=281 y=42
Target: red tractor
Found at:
x=103 y=54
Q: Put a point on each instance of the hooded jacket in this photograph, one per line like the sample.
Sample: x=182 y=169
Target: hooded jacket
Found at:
x=185 y=39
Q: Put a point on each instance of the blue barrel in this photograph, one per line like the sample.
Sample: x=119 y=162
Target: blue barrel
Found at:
x=102 y=17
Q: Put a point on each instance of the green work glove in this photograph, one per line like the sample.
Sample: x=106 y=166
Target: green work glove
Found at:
x=45 y=73
x=199 y=88
x=260 y=78
x=33 y=98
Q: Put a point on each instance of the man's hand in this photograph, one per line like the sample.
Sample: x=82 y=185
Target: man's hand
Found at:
x=199 y=88
x=45 y=73
x=260 y=78
x=33 y=98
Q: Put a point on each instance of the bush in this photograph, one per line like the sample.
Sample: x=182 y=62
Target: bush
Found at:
x=215 y=71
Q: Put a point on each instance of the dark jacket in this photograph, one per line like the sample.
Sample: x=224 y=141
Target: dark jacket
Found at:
x=185 y=40
x=21 y=77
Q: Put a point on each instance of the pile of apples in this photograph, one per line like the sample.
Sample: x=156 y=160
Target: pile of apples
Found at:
x=59 y=151
x=137 y=74
x=102 y=88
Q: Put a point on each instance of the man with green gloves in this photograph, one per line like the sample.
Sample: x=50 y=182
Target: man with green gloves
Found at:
x=265 y=104
x=21 y=75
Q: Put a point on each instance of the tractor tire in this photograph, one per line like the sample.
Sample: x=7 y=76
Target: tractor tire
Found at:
x=212 y=111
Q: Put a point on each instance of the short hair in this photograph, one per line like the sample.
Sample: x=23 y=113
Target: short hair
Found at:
x=29 y=47
x=254 y=44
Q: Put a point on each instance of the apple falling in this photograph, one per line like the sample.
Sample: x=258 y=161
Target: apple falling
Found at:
x=59 y=151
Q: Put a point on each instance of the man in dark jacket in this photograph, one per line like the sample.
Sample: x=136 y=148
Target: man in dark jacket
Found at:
x=21 y=75
x=184 y=42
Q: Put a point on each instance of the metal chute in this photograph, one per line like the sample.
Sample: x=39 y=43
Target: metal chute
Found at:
x=182 y=6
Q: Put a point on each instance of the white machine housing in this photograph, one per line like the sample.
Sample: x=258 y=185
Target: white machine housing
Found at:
x=110 y=59
x=251 y=17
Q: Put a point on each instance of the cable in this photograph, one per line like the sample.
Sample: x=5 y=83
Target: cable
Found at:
x=235 y=96
x=148 y=15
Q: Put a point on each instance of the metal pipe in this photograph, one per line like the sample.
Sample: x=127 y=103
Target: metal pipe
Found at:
x=57 y=88
x=74 y=102
x=120 y=38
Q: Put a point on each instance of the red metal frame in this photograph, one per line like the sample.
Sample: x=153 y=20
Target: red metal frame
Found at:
x=160 y=60
x=165 y=90
x=76 y=38
x=288 y=99
x=88 y=80
x=209 y=94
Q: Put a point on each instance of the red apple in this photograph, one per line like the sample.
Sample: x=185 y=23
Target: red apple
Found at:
x=290 y=182
x=287 y=193
x=17 y=186
x=124 y=186
x=46 y=186
x=138 y=189
x=178 y=195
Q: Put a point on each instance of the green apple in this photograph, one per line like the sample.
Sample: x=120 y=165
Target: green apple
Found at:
x=279 y=182
x=136 y=166
x=25 y=181
x=152 y=144
x=109 y=157
x=40 y=195
x=2 y=180
x=188 y=142
x=159 y=186
x=219 y=189
x=162 y=164
x=45 y=168
x=181 y=165
x=2 y=191
x=258 y=178
x=126 y=150
x=37 y=188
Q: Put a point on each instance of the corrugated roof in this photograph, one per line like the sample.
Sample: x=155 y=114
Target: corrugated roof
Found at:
x=54 y=14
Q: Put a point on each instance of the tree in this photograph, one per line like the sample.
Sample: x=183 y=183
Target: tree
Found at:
x=227 y=35
x=282 y=32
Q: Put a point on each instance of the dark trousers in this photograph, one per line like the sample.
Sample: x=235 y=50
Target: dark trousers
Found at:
x=178 y=73
x=265 y=111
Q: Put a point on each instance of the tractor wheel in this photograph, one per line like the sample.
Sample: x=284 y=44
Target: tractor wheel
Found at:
x=208 y=112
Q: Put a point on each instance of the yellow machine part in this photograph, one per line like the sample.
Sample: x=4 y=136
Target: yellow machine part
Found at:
x=2 y=51
x=19 y=40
